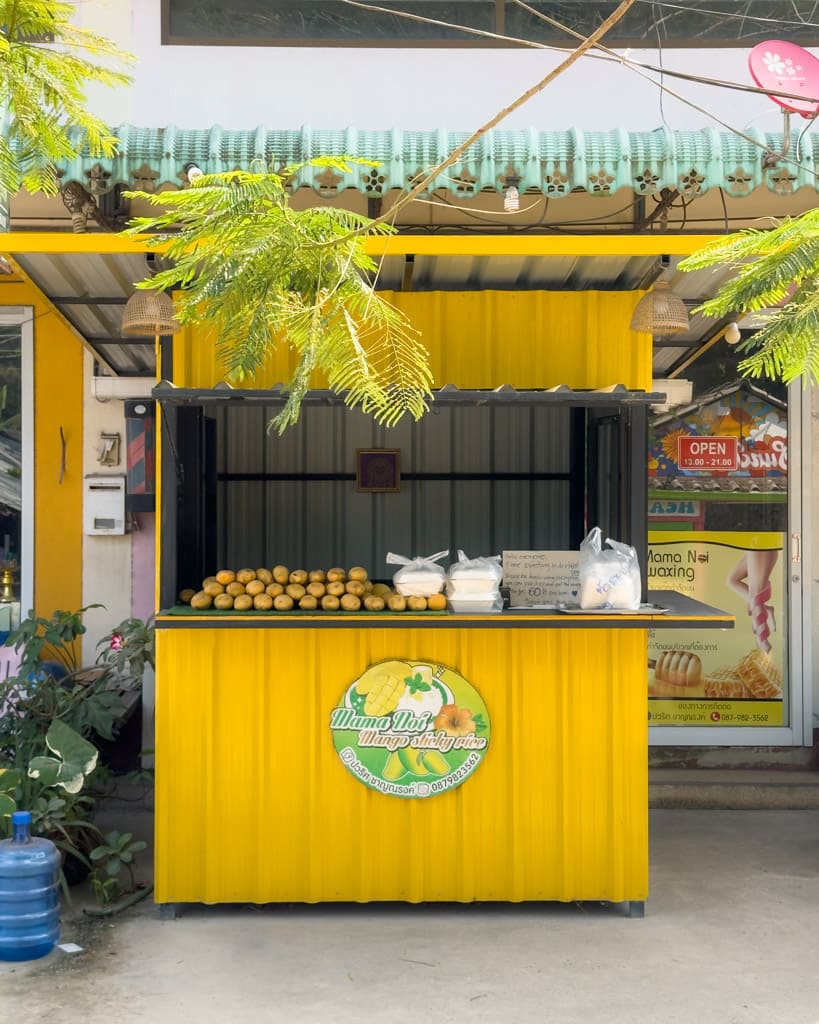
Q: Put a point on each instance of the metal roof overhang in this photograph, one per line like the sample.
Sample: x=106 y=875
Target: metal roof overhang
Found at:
x=89 y=277
x=615 y=396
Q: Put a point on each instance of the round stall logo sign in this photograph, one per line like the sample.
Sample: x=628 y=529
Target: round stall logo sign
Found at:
x=410 y=728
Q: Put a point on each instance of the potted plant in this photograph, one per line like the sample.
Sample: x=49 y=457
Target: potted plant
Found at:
x=51 y=711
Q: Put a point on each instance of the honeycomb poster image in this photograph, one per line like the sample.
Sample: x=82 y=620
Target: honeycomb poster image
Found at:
x=720 y=677
x=410 y=728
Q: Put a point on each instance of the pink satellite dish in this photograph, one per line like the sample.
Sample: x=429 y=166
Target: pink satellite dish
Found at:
x=776 y=64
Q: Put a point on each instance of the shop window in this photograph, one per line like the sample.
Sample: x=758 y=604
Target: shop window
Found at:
x=334 y=23
x=718 y=507
x=16 y=537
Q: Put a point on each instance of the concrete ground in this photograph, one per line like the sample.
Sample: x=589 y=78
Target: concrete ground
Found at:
x=731 y=936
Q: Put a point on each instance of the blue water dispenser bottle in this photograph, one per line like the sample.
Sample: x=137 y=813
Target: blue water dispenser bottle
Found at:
x=29 y=893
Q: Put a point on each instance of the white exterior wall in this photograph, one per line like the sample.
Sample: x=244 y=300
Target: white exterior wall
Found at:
x=459 y=90
x=106 y=561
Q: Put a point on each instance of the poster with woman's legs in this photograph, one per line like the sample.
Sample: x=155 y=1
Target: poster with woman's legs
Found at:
x=751 y=579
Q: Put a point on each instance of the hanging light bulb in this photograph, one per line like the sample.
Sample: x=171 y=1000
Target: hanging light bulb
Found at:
x=732 y=334
x=511 y=195
x=193 y=171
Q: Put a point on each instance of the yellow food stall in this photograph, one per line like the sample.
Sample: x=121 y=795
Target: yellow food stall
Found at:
x=311 y=755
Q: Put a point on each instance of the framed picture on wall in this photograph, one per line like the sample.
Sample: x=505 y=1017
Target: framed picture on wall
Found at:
x=378 y=469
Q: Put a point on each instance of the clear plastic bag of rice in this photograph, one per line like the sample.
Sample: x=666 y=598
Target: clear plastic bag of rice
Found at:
x=421 y=576
x=609 y=578
x=474 y=575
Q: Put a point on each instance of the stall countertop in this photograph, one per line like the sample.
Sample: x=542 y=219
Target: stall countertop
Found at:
x=670 y=611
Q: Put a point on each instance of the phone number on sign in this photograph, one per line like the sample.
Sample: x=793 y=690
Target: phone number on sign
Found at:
x=457 y=776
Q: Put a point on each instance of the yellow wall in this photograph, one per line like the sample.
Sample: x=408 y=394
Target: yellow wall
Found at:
x=58 y=402
x=483 y=339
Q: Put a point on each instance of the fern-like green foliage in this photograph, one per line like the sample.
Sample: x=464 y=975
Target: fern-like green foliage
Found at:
x=772 y=267
x=46 y=64
x=262 y=275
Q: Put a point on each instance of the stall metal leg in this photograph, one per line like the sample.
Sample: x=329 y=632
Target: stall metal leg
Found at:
x=635 y=908
x=168 y=911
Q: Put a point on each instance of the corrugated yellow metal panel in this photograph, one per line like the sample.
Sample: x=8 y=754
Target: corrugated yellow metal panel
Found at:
x=58 y=391
x=253 y=803
x=485 y=338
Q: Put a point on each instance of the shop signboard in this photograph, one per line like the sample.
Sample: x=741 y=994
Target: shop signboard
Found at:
x=734 y=440
x=707 y=452
x=410 y=728
x=720 y=677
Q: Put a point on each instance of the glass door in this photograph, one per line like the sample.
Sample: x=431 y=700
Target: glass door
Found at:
x=724 y=507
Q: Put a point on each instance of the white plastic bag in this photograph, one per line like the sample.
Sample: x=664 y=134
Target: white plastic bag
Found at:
x=470 y=576
x=420 y=576
x=609 y=579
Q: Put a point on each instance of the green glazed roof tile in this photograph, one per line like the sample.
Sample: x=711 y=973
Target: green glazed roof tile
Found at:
x=554 y=163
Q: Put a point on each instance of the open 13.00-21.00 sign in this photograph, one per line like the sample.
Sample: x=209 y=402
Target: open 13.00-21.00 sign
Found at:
x=410 y=728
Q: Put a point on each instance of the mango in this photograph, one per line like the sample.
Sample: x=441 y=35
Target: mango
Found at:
x=394 y=768
x=435 y=762
x=413 y=760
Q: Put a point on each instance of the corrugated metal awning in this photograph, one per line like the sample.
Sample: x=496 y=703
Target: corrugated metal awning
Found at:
x=553 y=163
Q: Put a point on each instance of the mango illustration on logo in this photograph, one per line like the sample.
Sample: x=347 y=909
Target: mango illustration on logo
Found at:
x=383 y=685
x=410 y=761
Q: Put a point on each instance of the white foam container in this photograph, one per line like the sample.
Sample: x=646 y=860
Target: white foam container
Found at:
x=419 y=585
x=461 y=586
x=475 y=603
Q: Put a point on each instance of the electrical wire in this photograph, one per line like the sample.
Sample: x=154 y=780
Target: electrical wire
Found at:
x=608 y=55
x=724 y=207
x=730 y=14
x=638 y=67
x=660 y=58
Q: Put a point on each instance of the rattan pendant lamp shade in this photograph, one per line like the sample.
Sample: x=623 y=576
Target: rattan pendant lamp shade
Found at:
x=660 y=311
x=149 y=313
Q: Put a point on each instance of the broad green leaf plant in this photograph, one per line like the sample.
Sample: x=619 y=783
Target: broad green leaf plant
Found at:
x=46 y=64
x=262 y=276
x=776 y=270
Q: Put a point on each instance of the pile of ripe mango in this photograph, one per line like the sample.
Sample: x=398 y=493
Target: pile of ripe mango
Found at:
x=281 y=589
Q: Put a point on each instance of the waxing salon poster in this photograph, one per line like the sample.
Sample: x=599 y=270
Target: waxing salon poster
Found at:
x=719 y=677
